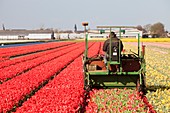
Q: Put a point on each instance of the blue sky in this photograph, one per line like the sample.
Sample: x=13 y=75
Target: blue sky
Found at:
x=64 y=14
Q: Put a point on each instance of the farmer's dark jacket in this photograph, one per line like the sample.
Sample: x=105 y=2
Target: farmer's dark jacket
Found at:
x=115 y=43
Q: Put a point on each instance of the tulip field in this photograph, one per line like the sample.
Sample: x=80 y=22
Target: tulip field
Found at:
x=157 y=74
x=48 y=78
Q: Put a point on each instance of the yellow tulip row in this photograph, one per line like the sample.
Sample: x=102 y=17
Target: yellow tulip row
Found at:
x=160 y=99
x=157 y=76
x=146 y=39
x=157 y=65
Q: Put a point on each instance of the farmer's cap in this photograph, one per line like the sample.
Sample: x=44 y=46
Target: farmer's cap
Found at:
x=112 y=34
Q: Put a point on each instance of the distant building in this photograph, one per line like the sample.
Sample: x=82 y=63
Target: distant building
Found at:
x=132 y=33
x=21 y=34
x=12 y=34
x=40 y=34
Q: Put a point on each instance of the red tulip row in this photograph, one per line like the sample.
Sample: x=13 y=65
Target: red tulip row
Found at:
x=150 y=107
x=3 y=59
x=15 y=89
x=8 y=52
x=64 y=93
x=31 y=56
x=13 y=70
x=38 y=46
x=95 y=50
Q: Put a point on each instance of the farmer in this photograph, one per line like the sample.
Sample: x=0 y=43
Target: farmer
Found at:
x=115 y=46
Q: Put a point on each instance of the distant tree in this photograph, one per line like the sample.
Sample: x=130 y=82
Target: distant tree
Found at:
x=75 y=28
x=42 y=27
x=139 y=27
x=158 y=28
x=147 y=27
x=66 y=31
x=3 y=26
x=49 y=29
x=56 y=30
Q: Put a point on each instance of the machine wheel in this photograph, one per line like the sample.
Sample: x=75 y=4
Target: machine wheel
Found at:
x=141 y=87
x=87 y=86
x=138 y=86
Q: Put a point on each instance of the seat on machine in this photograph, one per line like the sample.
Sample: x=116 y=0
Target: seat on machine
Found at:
x=114 y=54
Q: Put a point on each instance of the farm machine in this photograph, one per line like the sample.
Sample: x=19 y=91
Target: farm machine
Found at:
x=121 y=70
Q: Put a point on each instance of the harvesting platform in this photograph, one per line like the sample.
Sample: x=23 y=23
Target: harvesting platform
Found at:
x=119 y=69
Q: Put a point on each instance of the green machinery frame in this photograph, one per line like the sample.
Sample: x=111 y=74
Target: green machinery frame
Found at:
x=108 y=78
